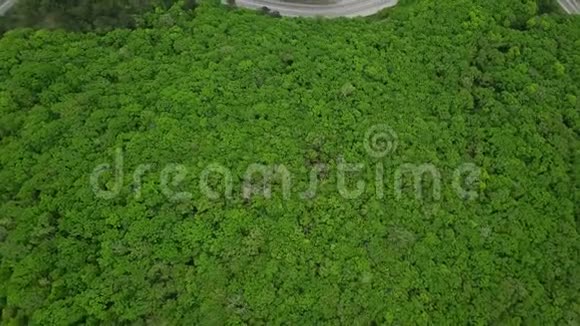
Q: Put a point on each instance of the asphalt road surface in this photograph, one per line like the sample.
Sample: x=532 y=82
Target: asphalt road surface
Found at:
x=5 y=5
x=570 y=6
x=343 y=8
x=349 y=8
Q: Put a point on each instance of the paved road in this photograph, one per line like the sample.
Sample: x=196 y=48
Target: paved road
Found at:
x=571 y=6
x=349 y=8
x=5 y=5
x=344 y=8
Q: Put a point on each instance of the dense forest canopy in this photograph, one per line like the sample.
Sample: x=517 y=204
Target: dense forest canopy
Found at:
x=488 y=85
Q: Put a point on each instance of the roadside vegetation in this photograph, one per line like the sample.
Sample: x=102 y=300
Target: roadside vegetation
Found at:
x=494 y=84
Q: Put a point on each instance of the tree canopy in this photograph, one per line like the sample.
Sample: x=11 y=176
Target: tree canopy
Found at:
x=493 y=84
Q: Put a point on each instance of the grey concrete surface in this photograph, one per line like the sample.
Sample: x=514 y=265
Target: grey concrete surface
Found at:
x=5 y=5
x=342 y=8
x=570 y=6
x=348 y=8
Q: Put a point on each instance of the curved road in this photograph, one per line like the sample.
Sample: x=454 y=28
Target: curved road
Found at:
x=346 y=8
x=349 y=8
x=570 y=6
x=343 y=8
x=5 y=5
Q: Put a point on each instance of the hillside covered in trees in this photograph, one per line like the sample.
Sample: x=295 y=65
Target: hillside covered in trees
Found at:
x=110 y=138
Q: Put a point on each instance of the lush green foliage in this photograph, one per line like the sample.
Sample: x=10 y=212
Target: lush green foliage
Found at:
x=493 y=83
